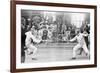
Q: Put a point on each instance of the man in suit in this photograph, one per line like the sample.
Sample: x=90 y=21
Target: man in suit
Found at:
x=31 y=38
x=81 y=43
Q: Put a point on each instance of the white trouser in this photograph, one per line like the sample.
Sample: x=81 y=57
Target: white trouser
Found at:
x=79 y=46
x=31 y=49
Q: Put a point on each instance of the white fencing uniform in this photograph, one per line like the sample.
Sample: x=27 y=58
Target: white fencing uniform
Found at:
x=28 y=42
x=81 y=44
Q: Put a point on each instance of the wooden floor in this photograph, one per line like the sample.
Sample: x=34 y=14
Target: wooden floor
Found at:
x=54 y=52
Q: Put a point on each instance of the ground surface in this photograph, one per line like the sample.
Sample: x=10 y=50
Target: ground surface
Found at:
x=52 y=52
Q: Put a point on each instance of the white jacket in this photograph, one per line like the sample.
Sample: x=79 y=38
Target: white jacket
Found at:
x=80 y=38
x=30 y=37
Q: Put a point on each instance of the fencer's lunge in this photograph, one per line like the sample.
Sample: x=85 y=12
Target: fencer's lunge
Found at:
x=30 y=39
x=81 y=44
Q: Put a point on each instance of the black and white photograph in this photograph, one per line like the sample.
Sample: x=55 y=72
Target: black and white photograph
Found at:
x=51 y=36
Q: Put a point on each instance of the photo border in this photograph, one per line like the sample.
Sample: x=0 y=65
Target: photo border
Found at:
x=13 y=35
